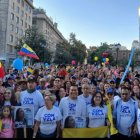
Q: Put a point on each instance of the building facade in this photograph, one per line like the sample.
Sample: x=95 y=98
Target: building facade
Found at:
x=15 y=18
x=45 y=25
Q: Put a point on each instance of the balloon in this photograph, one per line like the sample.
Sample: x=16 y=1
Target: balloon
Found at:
x=106 y=63
x=105 y=54
x=102 y=63
x=73 y=62
x=18 y=64
x=107 y=59
x=104 y=59
x=96 y=58
x=46 y=64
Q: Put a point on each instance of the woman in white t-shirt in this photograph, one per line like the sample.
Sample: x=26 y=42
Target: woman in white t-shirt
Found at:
x=97 y=112
x=48 y=119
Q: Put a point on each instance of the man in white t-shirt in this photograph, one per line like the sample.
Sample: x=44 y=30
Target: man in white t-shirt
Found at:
x=33 y=98
x=86 y=96
x=124 y=114
x=73 y=106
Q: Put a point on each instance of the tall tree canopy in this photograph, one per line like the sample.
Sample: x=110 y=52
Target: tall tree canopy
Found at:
x=37 y=42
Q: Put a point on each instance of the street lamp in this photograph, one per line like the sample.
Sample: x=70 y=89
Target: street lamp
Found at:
x=117 y=49
x=139 y=24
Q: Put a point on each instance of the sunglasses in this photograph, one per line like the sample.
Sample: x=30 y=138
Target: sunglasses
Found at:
x=124 y=93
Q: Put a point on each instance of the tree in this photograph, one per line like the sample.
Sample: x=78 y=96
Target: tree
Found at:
x=37 y=42
x=62 y=54
x=98 y=51
x=77 y=49
x=68 y=51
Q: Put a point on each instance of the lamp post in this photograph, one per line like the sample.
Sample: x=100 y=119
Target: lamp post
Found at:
x=117 y=49
x=139 y=25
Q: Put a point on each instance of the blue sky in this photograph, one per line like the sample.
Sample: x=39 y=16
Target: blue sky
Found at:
x=95 y=21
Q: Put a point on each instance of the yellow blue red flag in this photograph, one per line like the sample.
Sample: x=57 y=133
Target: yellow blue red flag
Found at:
x=27 y=51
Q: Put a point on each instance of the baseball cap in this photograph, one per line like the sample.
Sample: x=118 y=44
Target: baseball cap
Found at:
x=110 y=90
x=73 y=77
x=31 y=79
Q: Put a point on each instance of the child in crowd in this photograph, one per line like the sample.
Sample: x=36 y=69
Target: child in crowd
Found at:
x=7 y=125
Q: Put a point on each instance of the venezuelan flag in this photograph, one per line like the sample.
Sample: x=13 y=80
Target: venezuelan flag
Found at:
x=27 y=51
x=2 y=73
x=30 y=71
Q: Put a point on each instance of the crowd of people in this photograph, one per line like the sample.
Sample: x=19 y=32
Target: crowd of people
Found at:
x=72 y=96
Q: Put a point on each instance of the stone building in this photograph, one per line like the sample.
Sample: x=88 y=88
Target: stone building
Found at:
x=15 y=18
x=45 y=25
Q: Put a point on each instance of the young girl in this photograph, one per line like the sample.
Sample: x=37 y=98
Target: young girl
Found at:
x=7 y=130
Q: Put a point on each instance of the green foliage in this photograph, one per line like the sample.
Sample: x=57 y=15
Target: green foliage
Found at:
x=68 y=51
x=62 y=54
x=98 y=51
x=37 y=42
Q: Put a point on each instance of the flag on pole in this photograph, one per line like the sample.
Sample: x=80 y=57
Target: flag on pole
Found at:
x=27 y=51
x=2 y=73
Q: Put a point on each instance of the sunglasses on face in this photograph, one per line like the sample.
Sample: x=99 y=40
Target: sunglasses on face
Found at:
x=124 y=93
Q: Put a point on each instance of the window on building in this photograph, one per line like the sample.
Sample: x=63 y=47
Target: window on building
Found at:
x=22 y=3
x=26 y=16
x=17 y=30
x=22 y=22
x=12 y=27
x=123 y=54
x=17 y=9
x=18 y=1
x=13 y=6
x=10 y=49
x=30 y=10
x=21 y=32
x=34 y=21
x=29 y=19
x=22 y=13
x=11 y=38
x=25 y=24
x=17 y=20
x=16 y=40
x=26 y=7
x=12 y=16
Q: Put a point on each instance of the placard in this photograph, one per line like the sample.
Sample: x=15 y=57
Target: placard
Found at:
x=23 y=117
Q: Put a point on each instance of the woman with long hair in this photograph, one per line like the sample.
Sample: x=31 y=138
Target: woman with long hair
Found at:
x=97 y=112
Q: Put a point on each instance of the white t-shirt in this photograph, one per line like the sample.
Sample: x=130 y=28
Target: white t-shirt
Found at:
x=7 y=103
x=86 y=99
x=48 y=119
x=125 y=117
x=74 y=108
x=116 y=98
x=34 y=99
x=138 y=120
x=96 y=116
